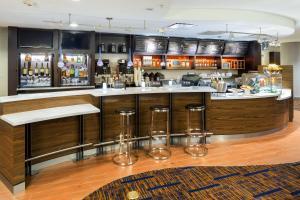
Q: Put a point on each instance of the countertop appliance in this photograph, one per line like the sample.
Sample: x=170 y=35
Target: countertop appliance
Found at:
x=190 y=80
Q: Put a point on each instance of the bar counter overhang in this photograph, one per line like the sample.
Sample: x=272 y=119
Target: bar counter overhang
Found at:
x=224 y=116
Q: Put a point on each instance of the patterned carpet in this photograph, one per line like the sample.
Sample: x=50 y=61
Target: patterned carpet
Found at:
x=249 y=182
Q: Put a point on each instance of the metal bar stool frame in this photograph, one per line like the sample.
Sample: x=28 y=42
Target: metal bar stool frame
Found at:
x=198 y=149
x=125 y=157
x=159 y=153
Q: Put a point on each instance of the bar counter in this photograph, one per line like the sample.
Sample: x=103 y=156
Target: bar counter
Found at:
x=97 y=123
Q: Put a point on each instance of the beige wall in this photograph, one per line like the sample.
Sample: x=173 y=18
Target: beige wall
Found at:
x=290 y=55
x=3 y=61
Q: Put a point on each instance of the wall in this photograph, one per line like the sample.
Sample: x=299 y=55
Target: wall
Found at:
x=290 y=55
x=3 y=61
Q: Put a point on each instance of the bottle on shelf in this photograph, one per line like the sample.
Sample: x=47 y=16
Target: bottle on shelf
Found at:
x=72 y=71
x=24 y=70
x=42 y=70
x=47 y=70
x=76 y=72
x=79 y=59
x=36 y=70
x=30 y=70
x=67 y=72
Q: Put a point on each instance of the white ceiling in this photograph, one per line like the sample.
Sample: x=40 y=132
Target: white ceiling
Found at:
x=129 y=15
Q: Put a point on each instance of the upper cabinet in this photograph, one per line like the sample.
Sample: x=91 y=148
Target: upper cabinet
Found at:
x=210 y=48
x=236 y=48
x=150 y=45
x=35 y=38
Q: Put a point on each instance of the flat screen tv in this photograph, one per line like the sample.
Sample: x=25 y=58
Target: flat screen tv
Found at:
x=29 y=38
x=75 y=40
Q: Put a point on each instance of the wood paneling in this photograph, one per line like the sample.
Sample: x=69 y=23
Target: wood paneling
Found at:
x=12 y=153
x=287 y=82
x=274 y=58
x=179 y=117
x=146 y=101
x=228 y=117
x=111 y=119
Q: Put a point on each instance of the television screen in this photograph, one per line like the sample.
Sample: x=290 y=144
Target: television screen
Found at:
x=236 y=48
x=28 y=38
x=80 y=41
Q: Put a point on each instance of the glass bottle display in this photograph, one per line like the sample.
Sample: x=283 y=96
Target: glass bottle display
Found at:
x=75 y=71
x=32 y=70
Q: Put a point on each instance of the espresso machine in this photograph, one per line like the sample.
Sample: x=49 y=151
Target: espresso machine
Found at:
x=105 y=69
x=126 y=72
x=103 y=73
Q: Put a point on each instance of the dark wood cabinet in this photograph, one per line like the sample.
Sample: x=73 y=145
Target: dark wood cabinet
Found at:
x=274 y=58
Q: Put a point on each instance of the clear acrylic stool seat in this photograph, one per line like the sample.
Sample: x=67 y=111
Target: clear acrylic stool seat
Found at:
x=125 y=156
x=160 y=150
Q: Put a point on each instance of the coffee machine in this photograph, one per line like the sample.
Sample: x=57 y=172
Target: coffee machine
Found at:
x=125 y=72
x=103 y=73
x=105 y=69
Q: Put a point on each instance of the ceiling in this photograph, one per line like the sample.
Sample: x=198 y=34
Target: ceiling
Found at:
x=153 y=17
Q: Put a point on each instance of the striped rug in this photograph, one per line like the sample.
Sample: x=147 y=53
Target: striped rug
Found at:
x=247 y=182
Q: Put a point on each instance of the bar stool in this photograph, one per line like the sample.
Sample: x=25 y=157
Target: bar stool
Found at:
x=196 y=149
x=125 y=156
x=159 y=151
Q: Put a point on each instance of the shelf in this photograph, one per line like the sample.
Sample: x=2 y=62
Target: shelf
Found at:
x=151 y=68
x=206 y=68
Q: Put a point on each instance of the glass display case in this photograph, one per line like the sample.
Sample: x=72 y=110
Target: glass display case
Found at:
x=76 y=70
x=35 y=70
x=263 y=83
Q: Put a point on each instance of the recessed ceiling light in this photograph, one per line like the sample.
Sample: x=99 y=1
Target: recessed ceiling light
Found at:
x=149 y=9
x=76 y=0
x=181 y=25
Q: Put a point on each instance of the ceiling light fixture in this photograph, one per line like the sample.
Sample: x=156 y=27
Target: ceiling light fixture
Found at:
x=109 y=21
x=29 y=3
x=181 y=26
x=72 y=24
x=149 y=9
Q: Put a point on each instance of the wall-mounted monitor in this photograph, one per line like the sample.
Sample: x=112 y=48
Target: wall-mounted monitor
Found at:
x=32 y=38
x=210 y=48
x=150 y=45
x=76 y=40
x=236 y=48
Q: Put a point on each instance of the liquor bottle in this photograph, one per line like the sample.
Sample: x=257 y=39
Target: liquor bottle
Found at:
x=30 y=70
x=65 y=59
x=68 y=72
x=36 y=70
x=63 y=72
x=76 y=72
x=24 y=70
x=42 y=70
x=47 y=70
x=81 y=73
x=79 y=59
x=72 y=71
